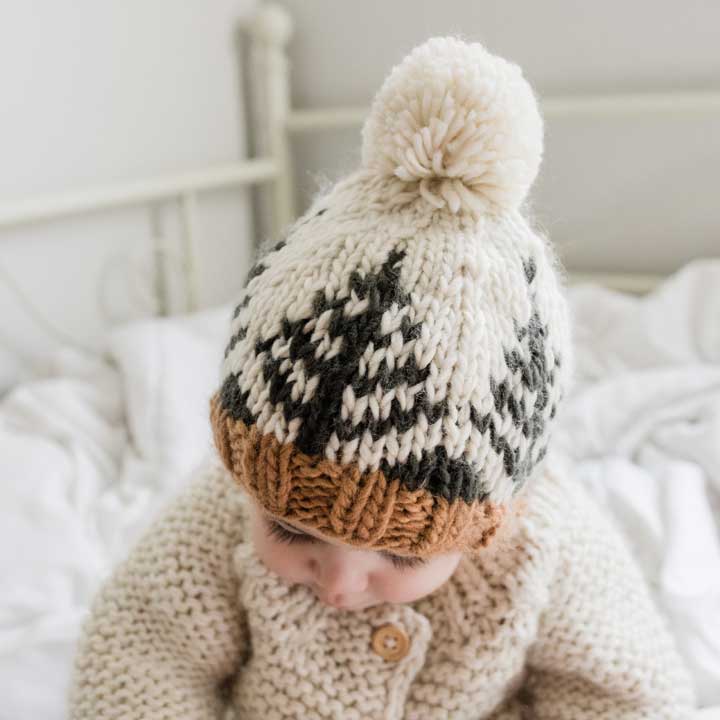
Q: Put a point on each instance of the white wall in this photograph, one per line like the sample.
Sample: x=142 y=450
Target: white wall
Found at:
x=100 y=92
x=618 y=194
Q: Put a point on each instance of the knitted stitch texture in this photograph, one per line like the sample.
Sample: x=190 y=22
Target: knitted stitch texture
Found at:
x=558 y=625
x=395 y=362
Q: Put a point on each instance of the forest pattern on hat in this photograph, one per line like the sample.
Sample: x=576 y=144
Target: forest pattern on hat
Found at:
x=448 y=386
x=410 y=329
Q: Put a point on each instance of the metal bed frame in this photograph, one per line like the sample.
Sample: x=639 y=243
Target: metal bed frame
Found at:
x=275 y=124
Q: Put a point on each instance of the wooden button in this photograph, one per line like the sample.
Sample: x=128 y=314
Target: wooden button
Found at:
x=390 y=642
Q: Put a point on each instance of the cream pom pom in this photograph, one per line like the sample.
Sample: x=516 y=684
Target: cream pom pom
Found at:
x=459 y=125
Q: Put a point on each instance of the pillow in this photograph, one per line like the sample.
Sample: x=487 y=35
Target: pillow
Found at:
x=170 y=367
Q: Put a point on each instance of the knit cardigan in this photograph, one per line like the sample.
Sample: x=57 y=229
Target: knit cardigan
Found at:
x=556 y=624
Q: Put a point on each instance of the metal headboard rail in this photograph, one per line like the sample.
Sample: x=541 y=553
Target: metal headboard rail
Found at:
x=148 y=190
x=184 y=187
x=624 y=104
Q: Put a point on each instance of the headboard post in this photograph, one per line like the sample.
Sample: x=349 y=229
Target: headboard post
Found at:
x=269 y=30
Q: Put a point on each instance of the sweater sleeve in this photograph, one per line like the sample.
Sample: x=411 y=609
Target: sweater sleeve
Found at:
x=603 y=650
x=165 y=630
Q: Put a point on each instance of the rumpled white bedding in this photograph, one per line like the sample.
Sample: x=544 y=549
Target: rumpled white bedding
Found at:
x=91 y=451
x=88 y=455
x=643 y=426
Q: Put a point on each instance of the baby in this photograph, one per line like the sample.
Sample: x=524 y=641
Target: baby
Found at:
x=383 y=532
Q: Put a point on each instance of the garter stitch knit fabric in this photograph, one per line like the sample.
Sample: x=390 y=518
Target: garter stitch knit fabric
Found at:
x=556 y=624
x=396 y=360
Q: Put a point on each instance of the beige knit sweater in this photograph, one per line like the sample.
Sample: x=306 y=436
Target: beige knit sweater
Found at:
x=557 y=624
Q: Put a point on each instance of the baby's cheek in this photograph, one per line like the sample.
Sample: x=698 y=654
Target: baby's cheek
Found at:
x=284 y=560
x=399 y=586
x=396 y=586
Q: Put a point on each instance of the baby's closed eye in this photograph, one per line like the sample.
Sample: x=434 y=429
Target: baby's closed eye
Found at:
x=286 y=535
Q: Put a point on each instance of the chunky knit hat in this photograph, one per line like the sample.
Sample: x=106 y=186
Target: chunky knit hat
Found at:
x=396 y=360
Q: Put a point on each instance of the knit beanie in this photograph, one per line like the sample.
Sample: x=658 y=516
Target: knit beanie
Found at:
x=396 y=360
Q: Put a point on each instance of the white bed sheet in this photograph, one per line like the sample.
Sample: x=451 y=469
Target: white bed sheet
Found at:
x=643 y=427
x=90 y=452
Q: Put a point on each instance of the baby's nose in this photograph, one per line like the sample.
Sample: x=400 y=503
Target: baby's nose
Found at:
x=340 y=574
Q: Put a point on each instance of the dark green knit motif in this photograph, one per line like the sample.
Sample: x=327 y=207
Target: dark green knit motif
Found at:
x=450 y=478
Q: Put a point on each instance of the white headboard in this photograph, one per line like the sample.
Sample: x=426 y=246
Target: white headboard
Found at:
x=276 y=125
